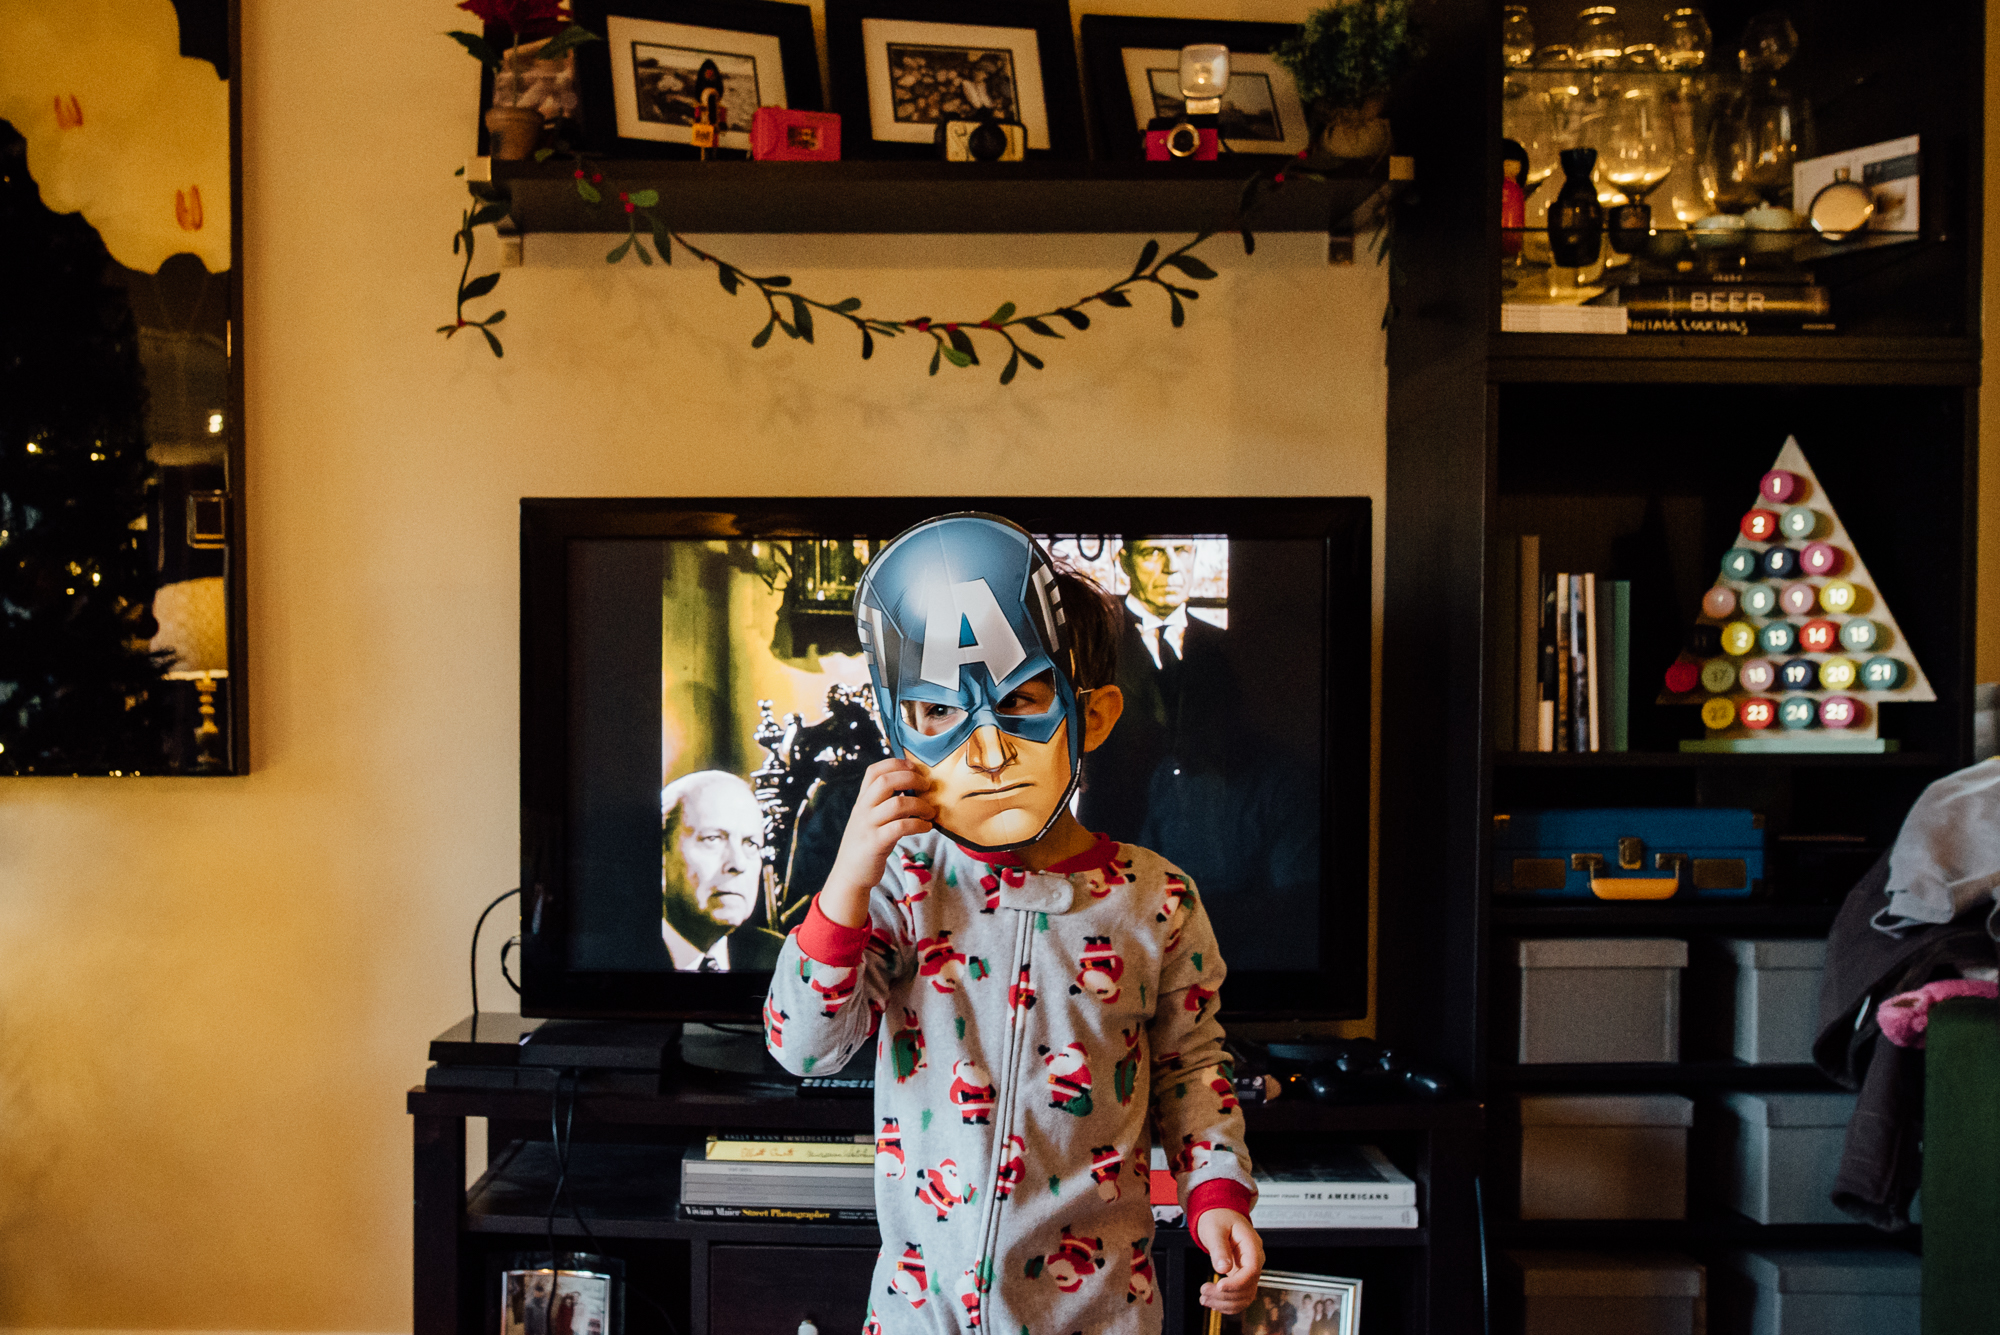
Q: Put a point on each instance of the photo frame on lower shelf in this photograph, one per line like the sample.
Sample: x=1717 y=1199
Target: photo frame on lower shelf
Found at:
x=899 y=66
x=633 y=85
x=1131 y=70
x=1295 y=1304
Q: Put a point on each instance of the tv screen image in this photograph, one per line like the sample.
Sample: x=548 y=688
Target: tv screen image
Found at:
x=697 y=717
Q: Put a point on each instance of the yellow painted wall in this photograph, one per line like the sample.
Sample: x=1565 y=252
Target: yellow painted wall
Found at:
x=214 y=992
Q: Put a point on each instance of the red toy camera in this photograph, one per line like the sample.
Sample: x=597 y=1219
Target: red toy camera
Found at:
x=779 y=134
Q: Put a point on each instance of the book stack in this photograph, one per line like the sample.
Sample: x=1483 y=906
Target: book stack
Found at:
x=792 y=1178
x=1569 y=646
x=1547 y=317
x=1340 y=1186
x=1734 y=305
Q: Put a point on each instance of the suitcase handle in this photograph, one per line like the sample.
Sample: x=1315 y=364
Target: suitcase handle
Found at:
x=1632 y=887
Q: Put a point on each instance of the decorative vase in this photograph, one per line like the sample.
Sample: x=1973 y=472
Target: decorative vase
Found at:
x=513 y=132
x=1576 y=219
x=1354 y=134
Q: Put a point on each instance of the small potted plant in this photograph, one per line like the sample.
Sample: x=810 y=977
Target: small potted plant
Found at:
x=1344 y=60
x=534 y=74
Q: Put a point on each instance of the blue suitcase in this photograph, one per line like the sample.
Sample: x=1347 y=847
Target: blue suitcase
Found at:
x=1629 y=853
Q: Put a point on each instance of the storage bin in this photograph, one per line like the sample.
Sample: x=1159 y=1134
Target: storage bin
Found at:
x=1601 y=999
x=1780 y=1153
x=1776 y=991
x=1614 y=1156
x=1816 y=1293
x=1629 y=853
x=1587 y=1293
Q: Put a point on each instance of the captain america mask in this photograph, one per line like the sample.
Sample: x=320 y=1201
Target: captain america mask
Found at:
x=971 y=665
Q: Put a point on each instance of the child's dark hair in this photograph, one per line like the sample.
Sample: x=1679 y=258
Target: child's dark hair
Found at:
x=1094 y=626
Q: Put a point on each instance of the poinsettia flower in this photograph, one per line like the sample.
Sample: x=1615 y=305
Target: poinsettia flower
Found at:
x=526 y=19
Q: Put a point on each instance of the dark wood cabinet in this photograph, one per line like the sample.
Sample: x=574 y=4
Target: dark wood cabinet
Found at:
x=761 y=1290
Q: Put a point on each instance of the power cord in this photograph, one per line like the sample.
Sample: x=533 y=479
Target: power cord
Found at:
x=474 y=967
x=1485 y=1285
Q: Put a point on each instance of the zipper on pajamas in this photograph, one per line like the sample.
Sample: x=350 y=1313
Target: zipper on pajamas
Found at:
x=1008 y=1102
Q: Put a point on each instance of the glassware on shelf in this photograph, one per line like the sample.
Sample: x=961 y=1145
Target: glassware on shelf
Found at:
x=1641 y=58
x=1517 y=36
x=1600 y=37
x=1576 y=219
x=1729 y=153
x=1769 y=43
x=1772 y=124
x=1685 y=45
x=1556 y=56
x=1635 y=154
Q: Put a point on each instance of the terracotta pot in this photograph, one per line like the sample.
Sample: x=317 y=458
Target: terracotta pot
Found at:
x=513 y=132
x=1354 y=134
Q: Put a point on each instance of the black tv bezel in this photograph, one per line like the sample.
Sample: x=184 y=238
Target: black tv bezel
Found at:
x=550 y=988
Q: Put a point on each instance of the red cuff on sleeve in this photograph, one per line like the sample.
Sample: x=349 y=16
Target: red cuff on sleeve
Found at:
x=1218 y=1193
x=827 y=942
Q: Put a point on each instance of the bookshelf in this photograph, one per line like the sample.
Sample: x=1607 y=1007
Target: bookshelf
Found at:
x=1633 y=456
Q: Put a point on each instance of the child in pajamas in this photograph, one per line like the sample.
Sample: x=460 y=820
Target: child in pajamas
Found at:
x=1041 y=1016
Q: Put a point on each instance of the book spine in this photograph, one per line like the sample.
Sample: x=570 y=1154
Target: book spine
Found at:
x=1546 y=706
x=1529 y=615
x=794 y=1137
x=1621 y=664
x=1337 y=1195
x=1729 y=326
x=1561 y=665
x=1590 y=660
x=1315 y=1217
x=773 y=1214
x=1506 y=582
x=1748 y=302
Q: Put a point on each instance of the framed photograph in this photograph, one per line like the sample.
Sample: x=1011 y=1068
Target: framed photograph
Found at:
x=638 y=85
x=1292 y=1304
x=575 y=1294
x=898 y=72
x=1133 y=69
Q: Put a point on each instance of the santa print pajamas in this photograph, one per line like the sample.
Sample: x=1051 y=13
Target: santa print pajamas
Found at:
x=1033 y=1032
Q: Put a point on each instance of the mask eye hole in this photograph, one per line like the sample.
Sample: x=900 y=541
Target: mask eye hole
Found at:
x=1035 y=696
x=929 y=719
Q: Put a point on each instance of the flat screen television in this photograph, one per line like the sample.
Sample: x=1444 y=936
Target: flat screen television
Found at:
x=695 y=716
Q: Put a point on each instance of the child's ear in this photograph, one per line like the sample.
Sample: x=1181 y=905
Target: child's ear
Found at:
x=1101 y=712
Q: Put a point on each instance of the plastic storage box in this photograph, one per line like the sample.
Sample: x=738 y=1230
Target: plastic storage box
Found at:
x=1608 y=1156
x=1816 y=1293
x=1601 y=1000
x=1776 y=998
x=1588 y=1293
x=1780 y=1154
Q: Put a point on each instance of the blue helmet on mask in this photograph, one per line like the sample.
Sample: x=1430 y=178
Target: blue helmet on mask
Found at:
x=959 y=611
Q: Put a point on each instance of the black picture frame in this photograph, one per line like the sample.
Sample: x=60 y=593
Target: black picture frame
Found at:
x=1116 y=134
x=847 y=60
x=790 y=24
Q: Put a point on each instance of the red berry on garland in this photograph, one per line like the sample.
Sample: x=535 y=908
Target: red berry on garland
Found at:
x=597 y=178
x=579 y=173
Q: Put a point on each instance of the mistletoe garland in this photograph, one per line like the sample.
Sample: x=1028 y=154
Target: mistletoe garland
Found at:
x=953 y=341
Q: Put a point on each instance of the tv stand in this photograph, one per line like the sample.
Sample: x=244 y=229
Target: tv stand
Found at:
x=737 y=1049
x=716 y=1277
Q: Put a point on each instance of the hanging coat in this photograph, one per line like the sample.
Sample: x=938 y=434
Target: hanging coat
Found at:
x=1032 y=1032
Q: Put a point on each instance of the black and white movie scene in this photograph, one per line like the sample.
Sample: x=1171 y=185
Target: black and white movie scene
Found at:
x=555 y=1302
x=1249 y=110
x=671 y=83
x=934 y=83
x=1297 y=1305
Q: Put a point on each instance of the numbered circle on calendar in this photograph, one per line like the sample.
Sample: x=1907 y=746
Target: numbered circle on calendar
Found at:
x=1718 y=675
x=1779 y=486
x=1798 y=712
x=1837 y=595
x=1839 y=711
x=1717 y=714
x=1779 y=562
x=1739 y=638
x=1838 y=674
x=1702 y=640
x=1818 y=637
x=1778 y=637
x=1719 y=602
x=1758 y=675
x=1821 y=558
x=1760 y=600
x=1800 y=674
x=1757 y=712
x=1760 y=525
x=1739 y=563
x=1798 y=599
x=1799 y=523
x=1683 y=677
x=1860 y=635
x=1883 y=673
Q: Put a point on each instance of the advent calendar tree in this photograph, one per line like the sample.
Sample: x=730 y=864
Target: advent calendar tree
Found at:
x=1795 y=648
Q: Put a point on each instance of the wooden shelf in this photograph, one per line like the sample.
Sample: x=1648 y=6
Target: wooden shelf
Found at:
x=1661 y=1075
x=1777 y=360
x=1812 y=919
x=936 y=197
x=1709 y=1230
x=1607 y=760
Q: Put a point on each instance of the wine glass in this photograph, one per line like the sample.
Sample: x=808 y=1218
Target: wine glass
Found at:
x=1635 y=153
x=1600 y=37
x=1685 y=45
x=1642 y=58
x=1769 y=43
x=1729 y=156
x=1771 y=128
x=1517 y=36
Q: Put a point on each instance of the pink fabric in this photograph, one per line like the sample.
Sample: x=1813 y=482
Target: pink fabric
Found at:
x=827 y=941
x=1905 y=1016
